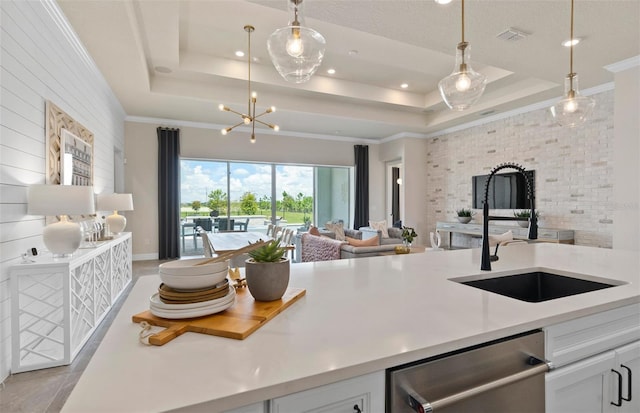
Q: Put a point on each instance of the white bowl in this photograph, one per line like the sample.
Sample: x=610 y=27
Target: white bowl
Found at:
x=189 y=267
x=191 y=282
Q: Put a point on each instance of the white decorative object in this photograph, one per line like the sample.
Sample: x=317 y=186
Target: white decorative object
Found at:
x=56 y=304
x=435 y=241
x=115 y=203
x=64 y=237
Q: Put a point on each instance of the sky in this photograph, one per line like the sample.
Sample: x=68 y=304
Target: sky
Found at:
x=198 y=178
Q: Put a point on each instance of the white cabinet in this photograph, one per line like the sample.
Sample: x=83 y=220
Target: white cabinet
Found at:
x=628 y=366
x=595 y=366
x=360 y=394
x=57 y=303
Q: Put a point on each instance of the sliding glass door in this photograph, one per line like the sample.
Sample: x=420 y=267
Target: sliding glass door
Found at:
x=244 y=196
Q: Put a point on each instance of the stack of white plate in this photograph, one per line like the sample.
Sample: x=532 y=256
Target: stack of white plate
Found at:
x=188 y=279
x=176 y=311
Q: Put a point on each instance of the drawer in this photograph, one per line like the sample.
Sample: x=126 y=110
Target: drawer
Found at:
x=583 y=337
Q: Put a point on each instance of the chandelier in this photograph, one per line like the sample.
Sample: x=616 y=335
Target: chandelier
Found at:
x=296 y=51
x=249 y=118
x=464 y=86
x=572 y=109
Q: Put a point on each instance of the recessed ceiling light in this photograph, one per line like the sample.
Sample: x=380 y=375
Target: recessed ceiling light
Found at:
x=331 y=71
x=570 y=42
x=443 y=1
x=162 y=69
x=239 y=53
x=353 y=52
x=404 y=85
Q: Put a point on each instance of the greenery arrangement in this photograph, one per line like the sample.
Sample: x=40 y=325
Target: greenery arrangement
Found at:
x=269 y=252
x=408 y=234
x=524 y=214
x=463 y=212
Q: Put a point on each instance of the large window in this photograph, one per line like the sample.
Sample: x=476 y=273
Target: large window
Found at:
x=249 y=196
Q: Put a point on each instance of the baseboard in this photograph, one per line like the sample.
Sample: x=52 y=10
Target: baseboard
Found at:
x=145 y=257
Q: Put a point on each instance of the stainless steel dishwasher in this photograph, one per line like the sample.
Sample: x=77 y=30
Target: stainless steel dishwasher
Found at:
x=501 y=376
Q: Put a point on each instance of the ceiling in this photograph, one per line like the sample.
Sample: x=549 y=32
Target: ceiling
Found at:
x=374 y=46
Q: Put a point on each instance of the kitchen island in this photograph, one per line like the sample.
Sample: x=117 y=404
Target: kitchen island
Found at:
x=358 y=316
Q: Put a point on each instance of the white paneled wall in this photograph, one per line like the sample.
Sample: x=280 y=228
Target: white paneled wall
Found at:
x=574 y=169
x=42 y=60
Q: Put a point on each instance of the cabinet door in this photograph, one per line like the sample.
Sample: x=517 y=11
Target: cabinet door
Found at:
x=360 y=394
x=581 y=387
x=628 y=364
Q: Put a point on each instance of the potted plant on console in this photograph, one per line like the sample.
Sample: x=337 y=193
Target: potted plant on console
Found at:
x=267 y=271
x=523 y=217
x=464 y=215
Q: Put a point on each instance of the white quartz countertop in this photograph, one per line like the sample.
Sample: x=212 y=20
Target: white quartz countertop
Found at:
x=358 y=316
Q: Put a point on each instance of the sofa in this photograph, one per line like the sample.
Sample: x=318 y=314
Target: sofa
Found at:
x=395 y=235
x=326 y=247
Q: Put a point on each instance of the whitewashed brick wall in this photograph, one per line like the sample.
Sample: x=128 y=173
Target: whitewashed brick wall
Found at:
x=574 y=179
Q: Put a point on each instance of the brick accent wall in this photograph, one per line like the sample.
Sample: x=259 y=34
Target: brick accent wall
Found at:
x=574 y=170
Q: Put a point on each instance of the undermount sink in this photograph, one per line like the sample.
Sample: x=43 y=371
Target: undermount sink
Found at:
x=537 y=286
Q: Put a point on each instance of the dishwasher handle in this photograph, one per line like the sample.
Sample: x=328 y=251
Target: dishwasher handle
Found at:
x=421 y=405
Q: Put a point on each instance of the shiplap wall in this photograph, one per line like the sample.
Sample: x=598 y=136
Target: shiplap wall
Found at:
x=43 y=60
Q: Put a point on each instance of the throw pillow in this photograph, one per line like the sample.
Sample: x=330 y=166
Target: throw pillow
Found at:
x=314 y=231
x=371 y=242
x=380 y=226
x=337 y=229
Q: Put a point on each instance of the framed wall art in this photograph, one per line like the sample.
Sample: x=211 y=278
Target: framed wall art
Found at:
x=69 y=158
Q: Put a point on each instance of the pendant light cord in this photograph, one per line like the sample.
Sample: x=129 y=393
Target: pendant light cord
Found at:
x=462 y=21
x=571 y=49
x=249 y=30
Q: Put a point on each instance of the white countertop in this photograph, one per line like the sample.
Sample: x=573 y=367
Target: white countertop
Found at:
x=358 y=316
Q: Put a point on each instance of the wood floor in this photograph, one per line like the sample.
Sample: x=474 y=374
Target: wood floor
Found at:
x=47 y=390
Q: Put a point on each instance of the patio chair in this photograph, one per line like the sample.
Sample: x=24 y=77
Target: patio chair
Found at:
x=242 y=226
x=225 y=224
x=204 y=223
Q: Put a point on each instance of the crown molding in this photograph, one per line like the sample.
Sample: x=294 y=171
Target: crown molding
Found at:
x=624 y=64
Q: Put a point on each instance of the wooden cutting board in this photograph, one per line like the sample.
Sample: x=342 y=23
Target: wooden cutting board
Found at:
x=238 y=321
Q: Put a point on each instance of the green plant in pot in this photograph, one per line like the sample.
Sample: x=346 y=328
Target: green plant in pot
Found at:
x=464 y=215
x=523 y=217
x=267 y=271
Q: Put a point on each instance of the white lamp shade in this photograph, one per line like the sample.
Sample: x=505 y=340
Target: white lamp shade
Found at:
x=60 y=200
x=115 y=202
x=64 y=237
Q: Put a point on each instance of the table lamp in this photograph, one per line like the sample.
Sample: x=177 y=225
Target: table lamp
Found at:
x=115 y=203
x=61 y=238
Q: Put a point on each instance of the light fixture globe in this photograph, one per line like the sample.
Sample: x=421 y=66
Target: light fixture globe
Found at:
x=573 y=109
x=296 y=52
x=464 y=86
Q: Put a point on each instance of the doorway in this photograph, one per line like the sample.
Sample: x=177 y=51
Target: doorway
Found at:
x=394 y=193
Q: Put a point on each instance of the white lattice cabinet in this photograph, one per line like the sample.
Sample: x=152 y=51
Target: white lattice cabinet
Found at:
x=56 y=304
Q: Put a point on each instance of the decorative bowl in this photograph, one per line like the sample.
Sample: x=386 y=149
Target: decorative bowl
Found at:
x=190 y=282
x=464 y=220
x=401 y=249
x=189 y=267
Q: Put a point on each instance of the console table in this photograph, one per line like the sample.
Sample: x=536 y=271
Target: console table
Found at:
x=57 y=303
x=564 y=236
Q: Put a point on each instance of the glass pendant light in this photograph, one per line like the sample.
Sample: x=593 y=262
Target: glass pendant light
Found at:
x=572 y=109
x=296 y=51
x=464 y=86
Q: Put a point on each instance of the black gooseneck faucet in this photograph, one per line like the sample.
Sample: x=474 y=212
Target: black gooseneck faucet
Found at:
x=533 y=220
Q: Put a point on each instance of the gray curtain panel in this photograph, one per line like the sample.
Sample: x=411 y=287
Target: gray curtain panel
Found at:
x=361 y=217
x=168 y=193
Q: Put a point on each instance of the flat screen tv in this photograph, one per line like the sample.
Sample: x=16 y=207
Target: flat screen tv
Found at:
x=506 y=191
